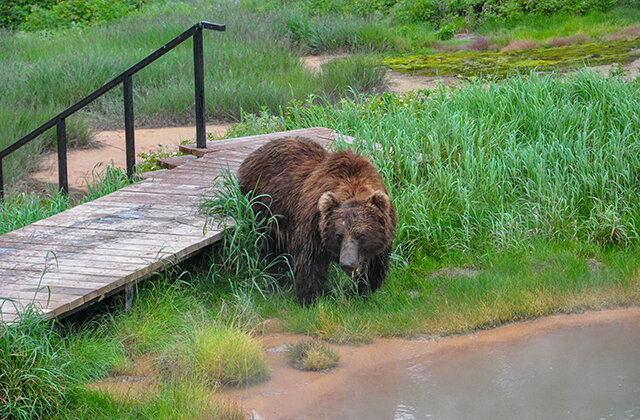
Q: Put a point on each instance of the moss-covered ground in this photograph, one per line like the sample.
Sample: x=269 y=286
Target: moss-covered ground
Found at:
x=503 y=63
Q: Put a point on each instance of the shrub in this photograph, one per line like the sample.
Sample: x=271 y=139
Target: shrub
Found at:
x=15 y=12
x=446 y=32
x=50 y=14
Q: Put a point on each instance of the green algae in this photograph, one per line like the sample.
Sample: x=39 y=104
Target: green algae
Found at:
x=501 y=64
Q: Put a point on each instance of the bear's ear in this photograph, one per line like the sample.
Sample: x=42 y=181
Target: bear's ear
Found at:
x=327 y=202
x=381 y=200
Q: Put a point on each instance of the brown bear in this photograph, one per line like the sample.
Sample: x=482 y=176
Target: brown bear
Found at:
x=330 y=207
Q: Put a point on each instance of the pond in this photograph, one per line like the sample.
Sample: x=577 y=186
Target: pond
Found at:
x=578 y=372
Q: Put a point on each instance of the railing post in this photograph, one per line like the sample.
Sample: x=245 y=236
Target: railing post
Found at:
x=1 y=182
x=198 y=70
x=61 y=129
x=127 y=86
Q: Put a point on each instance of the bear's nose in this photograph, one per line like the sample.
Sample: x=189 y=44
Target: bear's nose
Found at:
x=348 y=267
x=349 y=256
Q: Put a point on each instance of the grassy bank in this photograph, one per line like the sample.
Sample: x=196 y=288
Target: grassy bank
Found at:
x=253 y=66
x=515 y=200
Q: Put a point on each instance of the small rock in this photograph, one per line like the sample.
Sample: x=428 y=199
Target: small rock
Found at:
x=465 y=272
x=278 y=349
x=594 y=265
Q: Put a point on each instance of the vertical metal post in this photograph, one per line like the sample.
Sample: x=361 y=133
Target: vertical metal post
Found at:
x=198 y=70
x=61 y=129
x=1 y=182
x=128 y=125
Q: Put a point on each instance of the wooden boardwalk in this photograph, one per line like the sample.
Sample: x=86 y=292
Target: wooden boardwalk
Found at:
x=77 y=257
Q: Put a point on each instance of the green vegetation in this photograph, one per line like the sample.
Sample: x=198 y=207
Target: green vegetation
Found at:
x=439 y=12
x=517 y=197
x=240 y=257
x=32 y=15
x=32 y=368
x=252 y=67
x=501 y=64
x=312 y=355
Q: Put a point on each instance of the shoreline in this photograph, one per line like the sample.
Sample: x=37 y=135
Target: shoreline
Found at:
x=290 y=391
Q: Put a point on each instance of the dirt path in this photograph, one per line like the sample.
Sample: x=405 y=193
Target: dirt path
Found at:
x=396 y=82
x=109 y=147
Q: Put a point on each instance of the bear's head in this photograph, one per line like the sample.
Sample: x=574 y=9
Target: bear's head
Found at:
x=357 y=228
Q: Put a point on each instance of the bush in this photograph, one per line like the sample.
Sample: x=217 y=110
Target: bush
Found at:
x=446 y=32
x=15 y=12
x=436 y=12
x=33 y=15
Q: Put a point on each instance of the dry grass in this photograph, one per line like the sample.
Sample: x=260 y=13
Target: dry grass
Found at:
x=561 y=41
x=520 y=45
x=478 y=44
x=626 y=34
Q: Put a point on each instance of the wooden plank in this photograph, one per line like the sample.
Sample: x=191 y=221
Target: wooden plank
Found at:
x=38 y=234
x=64 y=248
x=313 y=132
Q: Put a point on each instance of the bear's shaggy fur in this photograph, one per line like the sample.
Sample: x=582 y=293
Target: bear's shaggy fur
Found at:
x=330 y=207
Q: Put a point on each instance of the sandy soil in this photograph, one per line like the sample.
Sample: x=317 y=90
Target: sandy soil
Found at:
x=109 y=146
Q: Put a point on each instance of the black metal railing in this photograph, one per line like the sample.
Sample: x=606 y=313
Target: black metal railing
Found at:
x=125 y=78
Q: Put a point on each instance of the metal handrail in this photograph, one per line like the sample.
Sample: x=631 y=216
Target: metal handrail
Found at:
x=125 y=78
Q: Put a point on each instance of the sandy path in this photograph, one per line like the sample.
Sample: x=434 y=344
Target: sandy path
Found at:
x=110 y=147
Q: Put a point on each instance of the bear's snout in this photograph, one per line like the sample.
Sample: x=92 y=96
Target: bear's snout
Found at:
x=349 y=259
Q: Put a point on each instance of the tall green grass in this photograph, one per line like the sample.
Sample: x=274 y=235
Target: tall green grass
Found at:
x=254 y=65
x=33 y=377
x=498 y=165
x=242 y=259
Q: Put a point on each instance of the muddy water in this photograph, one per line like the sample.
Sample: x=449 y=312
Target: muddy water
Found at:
x=586 y=372
x=575 y=367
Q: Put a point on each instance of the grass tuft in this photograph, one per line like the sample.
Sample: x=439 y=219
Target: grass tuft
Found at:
x=312 y=355
x=216 y=355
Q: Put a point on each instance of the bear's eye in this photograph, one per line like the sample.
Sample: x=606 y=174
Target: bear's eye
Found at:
x=361 y=236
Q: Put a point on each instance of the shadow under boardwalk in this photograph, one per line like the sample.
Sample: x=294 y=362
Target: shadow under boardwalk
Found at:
x=77 y=257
